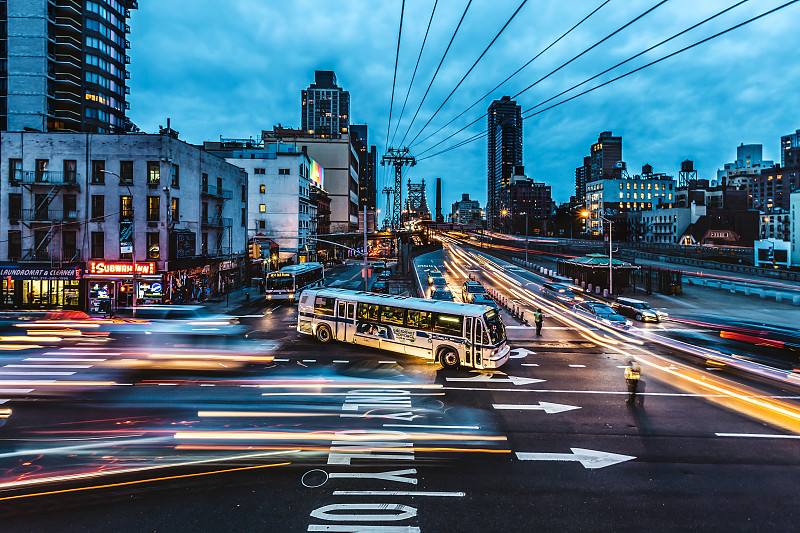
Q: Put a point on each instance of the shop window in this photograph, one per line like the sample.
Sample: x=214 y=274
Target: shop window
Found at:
x=176 y=175
x=14 y=245
x=153 y=245
x=126 y=172
x=98 y=172
x=175 y=208
x=98 y=245
x=153 y=208
x=153 y=172
x=98 y=207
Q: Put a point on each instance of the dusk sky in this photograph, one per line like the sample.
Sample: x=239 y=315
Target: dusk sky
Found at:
x=234 y=68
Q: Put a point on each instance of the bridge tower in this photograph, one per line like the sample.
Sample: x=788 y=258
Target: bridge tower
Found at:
x=416 y=204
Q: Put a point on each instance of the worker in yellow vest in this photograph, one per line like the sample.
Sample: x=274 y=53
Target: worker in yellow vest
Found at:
x=633 y=375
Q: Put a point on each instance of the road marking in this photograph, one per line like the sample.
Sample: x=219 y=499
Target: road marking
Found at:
x=519 y=327
x=337 y=361
x=396 y=493
x=248 y=316
x=428 y=426
x=48 y=366
x=620 y=393
x=516 y=380
x=14 y=373
x=61 y=359
x=15 y=391
x=529 y=364
x=590 y=459
x=577 y=366
x=308 y=360
x=280 y=360
x=519 y=353
x=549 y=408
x=757 y=435
x=388 y=362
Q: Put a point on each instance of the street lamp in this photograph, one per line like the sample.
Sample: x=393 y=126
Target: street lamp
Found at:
x=585 y=214
x=133 y=234
x=526 y=236
x=504 y=212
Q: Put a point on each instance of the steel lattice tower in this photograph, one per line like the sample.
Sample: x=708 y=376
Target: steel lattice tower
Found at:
x=398 y=157
x=387 y=220
x=417 y=204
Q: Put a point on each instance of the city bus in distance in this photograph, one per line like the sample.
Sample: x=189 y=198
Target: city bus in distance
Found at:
x=450 y=333
x=289 y=281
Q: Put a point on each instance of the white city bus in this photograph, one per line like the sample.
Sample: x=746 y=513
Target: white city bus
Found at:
x=289 y=281
x=450 y=333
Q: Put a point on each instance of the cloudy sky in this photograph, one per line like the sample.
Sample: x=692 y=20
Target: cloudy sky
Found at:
x=235 y=67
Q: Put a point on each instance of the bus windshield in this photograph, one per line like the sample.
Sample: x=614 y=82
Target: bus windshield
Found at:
x=497 y=332
x=283 y=283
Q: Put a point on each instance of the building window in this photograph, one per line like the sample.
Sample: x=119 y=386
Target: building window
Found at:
x=244 y=217
x=98 y=207
x=15 y=206
x=126 y=172
x=70 y=204
x=262 y=208
x=283 y=171
x=176 y=211
x=126 y=208
x=262 y=189
x=262 y=224
x=259 y=171
x=14 y=244
x=98 y=174
x=153 y=245
x=98 y=245
x=204 y=182
x=70 y=170
x=153 y=172
x=204 y=243
x=153 y=208
x=244 y=193
x=176 y=175
x=15 y=169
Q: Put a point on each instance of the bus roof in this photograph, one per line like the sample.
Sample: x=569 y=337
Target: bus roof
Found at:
x=302 y=267
x=420 y=304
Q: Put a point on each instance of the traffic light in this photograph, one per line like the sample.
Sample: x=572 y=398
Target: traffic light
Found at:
x=255 y=251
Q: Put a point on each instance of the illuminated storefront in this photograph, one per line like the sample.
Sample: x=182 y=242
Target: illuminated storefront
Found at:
x=35 y=287
x=109 y=285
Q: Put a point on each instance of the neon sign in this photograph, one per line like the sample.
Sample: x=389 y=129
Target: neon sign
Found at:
x=103 y=267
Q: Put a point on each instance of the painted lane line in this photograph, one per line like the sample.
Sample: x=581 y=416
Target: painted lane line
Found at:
x=248 y=316
x=577 y=366
x=428 y=426
x=529 y=364
x=280 y=360
x=757 y=435
x=48 y=366
x=15 y=391
x=13 y=373
x=397 y=493
x=208 y=385
x=309 y=360
x=45 y=359
x=339 y=362
x=547 y=407
x=388 y=362
x=516 y=380
x=590 y=459
x=619 y=393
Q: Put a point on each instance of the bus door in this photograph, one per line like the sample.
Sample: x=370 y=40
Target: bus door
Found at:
x=479 y=344
x=345 y=321
x=470 y=344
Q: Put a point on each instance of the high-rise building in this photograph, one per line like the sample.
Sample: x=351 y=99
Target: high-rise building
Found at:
x=504 y=152
x=326 y=106
x=606 y=154
x=64 y=65
x=788 y=142
x=367 y=161
x=582 y=177
x=466 y=211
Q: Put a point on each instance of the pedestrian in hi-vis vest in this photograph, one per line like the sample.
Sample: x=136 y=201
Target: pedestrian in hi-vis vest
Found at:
x=538 y=318
x=633 y=375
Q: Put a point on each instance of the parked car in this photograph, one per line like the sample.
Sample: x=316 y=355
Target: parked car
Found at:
x=484 y=299
x=434 y=274
x=470 y=289
x=639 y=310
x=560 y=292
x=443 y=294
x=603 y=313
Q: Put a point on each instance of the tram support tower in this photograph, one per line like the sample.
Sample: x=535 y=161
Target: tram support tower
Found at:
x=398 y=157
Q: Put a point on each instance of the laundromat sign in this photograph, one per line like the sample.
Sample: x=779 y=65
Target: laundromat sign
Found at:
x=25 y=273
x=106 y=268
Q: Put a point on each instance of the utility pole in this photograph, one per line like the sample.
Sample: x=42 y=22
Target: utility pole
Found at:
x=526 y=238
x=398 y=158
x=366 y=266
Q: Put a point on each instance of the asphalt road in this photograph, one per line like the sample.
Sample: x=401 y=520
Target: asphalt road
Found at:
x=355 y=440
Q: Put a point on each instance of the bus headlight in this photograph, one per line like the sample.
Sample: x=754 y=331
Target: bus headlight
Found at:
x=291 y=296
x=269 y=297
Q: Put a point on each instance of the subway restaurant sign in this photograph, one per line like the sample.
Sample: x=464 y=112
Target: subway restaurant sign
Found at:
x=108 y=268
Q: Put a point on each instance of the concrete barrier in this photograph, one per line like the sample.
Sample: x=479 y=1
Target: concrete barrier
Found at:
x=605 y=293
x=589 y=288
x=597 y=290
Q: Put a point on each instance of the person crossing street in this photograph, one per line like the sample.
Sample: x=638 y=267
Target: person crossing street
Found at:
x=538 y=319
x=633 y=375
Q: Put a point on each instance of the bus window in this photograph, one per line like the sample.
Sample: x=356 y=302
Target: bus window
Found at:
x=368 y=312
x=392 y=315
x=342 y=309
x=497 y=332
x=419 y=320
x=448 y=324
x=324 y=306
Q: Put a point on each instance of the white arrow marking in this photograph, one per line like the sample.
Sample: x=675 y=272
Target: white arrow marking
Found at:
x=519 y=353
x=588 y=458
x=547 y=407
x=516 y=380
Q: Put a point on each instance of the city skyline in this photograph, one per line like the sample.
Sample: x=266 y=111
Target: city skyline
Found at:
x=698 y=105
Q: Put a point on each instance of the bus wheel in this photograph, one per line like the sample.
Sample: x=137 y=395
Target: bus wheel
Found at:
x=323 y=334
x=448 y=358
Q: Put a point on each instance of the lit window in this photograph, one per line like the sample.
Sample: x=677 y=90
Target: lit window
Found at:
x=262 y=208
x=262 y=189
